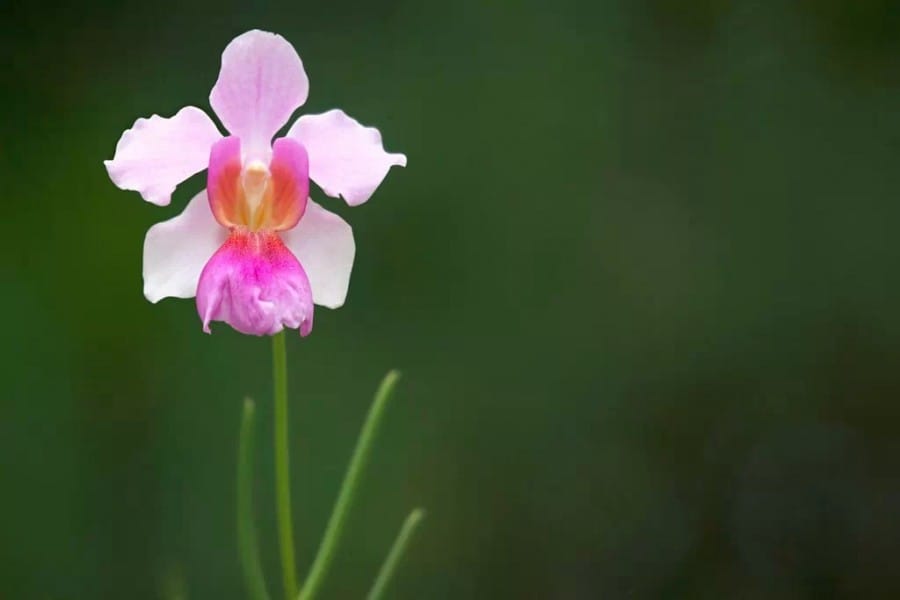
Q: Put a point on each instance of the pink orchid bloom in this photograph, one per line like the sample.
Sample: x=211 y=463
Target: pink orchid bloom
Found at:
x=253 y=248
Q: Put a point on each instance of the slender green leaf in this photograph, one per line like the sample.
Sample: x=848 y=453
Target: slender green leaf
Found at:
x=396 y=553
x=335 y=528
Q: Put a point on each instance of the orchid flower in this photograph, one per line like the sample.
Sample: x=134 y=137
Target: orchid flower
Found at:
x=252 y=247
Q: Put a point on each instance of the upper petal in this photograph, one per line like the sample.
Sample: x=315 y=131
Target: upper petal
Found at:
x=157 y=154
x=323 y=243
x=175 y=251
x=261 y=84
x=345 y=158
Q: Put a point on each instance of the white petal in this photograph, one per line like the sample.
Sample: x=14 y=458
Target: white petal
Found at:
x=175 y=251
x=157 y=154
x=346 y=159
x=323 y=243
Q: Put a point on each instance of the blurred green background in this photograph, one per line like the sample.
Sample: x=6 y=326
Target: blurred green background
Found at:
x=640 y=275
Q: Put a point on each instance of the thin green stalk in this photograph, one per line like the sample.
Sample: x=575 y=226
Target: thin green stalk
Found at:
x=283 y=468
x=396 y=553
x=334 y=530
x=249 y=550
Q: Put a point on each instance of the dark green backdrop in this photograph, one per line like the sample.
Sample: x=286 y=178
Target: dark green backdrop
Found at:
x=641 y=275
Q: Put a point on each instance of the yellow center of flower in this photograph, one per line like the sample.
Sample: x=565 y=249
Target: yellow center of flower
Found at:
x=258 y=195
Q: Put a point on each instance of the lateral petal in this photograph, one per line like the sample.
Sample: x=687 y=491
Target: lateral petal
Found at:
x=346 y=158
x=157 y=154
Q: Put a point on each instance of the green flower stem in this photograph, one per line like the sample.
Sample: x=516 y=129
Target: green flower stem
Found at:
x=283 y=468
x=334 y=530
x=396 y=553
x=249 y=550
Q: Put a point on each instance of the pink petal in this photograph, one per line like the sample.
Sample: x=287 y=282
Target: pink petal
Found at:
x=175 y=251
x=289 y=185
x=323 y=243
x=256 y=285
x=223 y=182
x=345 y=158
x=261 y=84
x=157 y=154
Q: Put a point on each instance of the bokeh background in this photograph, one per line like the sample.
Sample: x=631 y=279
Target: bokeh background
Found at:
x=641 y=277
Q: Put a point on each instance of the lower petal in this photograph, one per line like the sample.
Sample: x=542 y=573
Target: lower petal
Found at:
x=256 y=285
x=323 y=242
x=176 y=250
